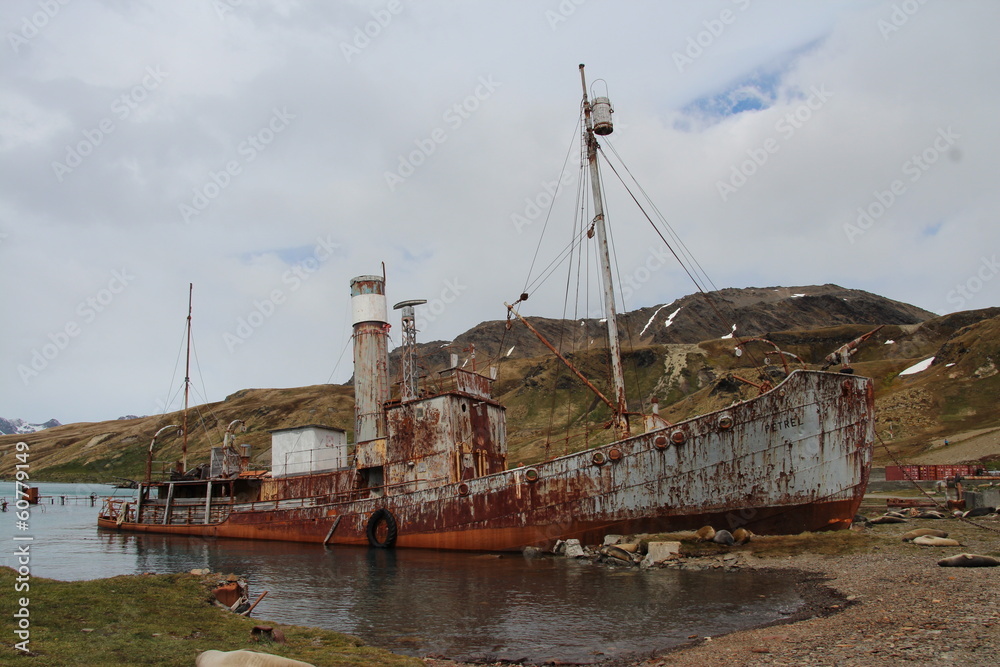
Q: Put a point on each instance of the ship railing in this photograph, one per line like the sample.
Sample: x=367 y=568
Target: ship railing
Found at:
x=287 y=503
x=112 y=508
x=385 y=489
x=120 y=510
x=314 y=460
x=412 y=482
x=185 y=514
x=332 y=498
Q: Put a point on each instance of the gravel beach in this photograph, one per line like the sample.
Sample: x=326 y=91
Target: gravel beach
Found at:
x=886 y=602
x=890 y=604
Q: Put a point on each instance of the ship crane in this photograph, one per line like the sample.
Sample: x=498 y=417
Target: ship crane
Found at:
x=843 y=353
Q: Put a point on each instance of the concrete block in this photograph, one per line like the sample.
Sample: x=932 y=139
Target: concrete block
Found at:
x=573 y=549
x=659 y=552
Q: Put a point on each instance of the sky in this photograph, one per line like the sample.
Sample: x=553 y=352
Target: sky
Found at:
x=269 y=151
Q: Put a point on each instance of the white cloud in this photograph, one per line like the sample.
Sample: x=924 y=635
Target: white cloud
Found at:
x=445 y=233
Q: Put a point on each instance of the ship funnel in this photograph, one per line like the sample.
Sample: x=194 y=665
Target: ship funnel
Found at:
x=371 y=356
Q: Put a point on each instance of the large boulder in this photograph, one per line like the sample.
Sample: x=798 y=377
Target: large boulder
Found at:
x=245 y=659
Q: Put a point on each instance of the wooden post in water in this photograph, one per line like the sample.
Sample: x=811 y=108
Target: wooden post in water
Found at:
x=170 y=500
x=208 y=502
x=138 y=505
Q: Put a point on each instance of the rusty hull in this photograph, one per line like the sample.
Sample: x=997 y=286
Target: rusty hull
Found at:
x=794 y=459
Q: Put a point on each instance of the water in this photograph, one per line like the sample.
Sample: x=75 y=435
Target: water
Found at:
x=417 y=602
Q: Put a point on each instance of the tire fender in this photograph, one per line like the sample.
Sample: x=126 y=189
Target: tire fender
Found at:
x=392 y=530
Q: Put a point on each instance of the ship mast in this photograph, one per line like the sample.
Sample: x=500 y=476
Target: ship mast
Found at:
x=620 y=417
x=187 y=384
x=409 y=390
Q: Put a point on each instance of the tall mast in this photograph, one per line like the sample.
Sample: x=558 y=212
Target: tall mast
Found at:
x=618 y=376
x=187 y=383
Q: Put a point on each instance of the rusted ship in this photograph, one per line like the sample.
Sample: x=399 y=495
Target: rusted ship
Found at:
x=428 y=467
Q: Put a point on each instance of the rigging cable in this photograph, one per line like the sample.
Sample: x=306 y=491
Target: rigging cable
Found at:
x=548 y=213
x=687 y=269
x=670 y=230
x=173 y=375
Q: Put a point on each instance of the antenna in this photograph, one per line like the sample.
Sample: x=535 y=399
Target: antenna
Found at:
x=408 y=390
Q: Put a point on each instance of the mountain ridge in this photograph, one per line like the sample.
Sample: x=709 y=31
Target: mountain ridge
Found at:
x=915 y=411
x=756 y=311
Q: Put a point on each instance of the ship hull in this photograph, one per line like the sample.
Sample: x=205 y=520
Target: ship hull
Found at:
x=794 y=459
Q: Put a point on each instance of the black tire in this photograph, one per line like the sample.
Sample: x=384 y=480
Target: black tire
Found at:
x=386 y=540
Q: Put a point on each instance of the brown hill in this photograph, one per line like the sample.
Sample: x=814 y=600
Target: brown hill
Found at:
x=755 y=311
x=550 y=412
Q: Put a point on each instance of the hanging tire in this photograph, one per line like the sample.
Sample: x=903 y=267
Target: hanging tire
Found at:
x=382 y=529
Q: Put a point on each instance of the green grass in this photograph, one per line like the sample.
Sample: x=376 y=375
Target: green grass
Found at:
x=154 y=620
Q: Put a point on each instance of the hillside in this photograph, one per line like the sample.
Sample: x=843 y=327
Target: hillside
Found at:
x=549 y=412
x=756 y=311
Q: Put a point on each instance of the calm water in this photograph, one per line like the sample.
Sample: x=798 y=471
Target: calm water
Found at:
x=422 y=602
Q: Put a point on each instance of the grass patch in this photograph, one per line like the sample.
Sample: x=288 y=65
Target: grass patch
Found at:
x=832 y=543
x=164 y=619
x=829 y=543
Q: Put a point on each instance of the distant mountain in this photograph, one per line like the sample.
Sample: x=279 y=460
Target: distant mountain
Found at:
x=753 y=311
x=18 y=426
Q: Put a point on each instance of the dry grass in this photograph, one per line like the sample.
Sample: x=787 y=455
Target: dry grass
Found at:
x=158 y=620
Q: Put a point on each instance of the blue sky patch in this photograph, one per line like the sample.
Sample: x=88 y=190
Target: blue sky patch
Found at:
x=755 y=91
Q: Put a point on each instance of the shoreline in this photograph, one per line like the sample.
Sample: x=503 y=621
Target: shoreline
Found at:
x=868 y=599
x=887 y=604
x=884 y=602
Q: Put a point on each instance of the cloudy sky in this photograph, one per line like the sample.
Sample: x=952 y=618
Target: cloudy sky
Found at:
x=270 y=150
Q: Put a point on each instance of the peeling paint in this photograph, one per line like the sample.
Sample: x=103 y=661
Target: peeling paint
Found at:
x=793 y=459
